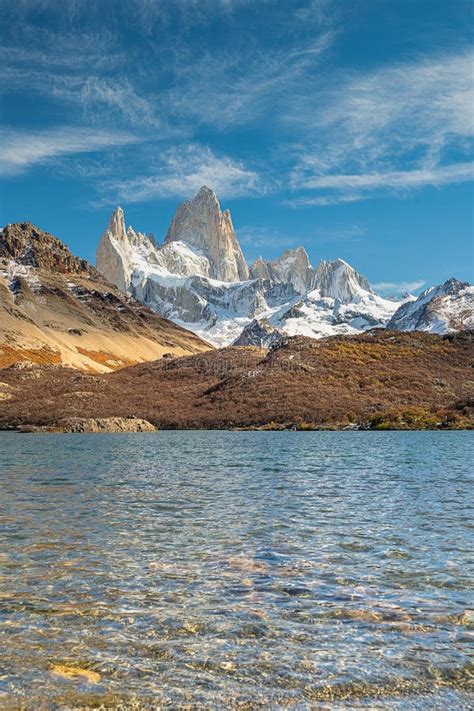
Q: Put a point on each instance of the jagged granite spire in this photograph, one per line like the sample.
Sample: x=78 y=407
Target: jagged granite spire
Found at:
x=338 y=280
x=292 y=267
x=114 y=253
x=199 y=222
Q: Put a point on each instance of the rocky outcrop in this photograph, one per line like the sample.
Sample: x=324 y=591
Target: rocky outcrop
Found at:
x=201 y=224
x=445 y=308
x=27 y=246
x=100 y=424
x=260 y=333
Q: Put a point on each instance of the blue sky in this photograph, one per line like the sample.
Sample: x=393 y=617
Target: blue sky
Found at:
x=343 y=126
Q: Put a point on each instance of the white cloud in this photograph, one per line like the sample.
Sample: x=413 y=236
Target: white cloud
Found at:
x=418 y=103
x=399 y=128
x=41 y=48
x=399 y=287
x=21 y=149
x=231 y=89
x=117 y=96
x=182 y=172
x=322 y=200
x=402 y=179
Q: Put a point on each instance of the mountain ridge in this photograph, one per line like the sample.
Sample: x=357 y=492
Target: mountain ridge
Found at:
x=57 y=308
x=178 y=280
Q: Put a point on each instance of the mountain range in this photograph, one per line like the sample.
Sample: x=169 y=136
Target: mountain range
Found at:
x=64 y=329
x=198 y=277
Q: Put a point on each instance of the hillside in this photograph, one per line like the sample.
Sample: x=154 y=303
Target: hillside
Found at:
x=55 y=308
x=378 y=379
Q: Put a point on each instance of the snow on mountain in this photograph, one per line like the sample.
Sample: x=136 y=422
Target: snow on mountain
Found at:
x=439 y=309
x=259 y=333
x=292 y=267
x=338 y=280
x=199 y=278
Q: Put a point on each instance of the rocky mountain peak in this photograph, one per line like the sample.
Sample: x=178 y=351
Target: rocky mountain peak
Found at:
x=338 y=280
x=261 y=333
x=440 y=309
x=453 y=286
x=26 y=244
x=206 y=194
x=260 y=269
x=292 y=267
x=116 y=225
x=114 y=254
x=200 y=223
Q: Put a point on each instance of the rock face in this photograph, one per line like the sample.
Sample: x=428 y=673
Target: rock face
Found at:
x=97 y=424
x=259 y=333
x=28 y=246
x=114 y=252
x=57 y=309
x=199 y=278
x=440 y=309
x=293 y=267
x=338 y=280
x=202 y=225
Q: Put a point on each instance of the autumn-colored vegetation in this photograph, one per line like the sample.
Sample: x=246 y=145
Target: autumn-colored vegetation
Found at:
x=378 y=380
x=41 y=356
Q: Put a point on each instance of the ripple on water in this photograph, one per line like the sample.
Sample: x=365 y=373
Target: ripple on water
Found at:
x=236 y=570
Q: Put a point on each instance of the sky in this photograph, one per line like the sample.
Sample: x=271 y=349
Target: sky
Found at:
x=343 y=126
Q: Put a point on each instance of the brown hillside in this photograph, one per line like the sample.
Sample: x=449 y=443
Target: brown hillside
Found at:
x=56 y=308
x=378 y=379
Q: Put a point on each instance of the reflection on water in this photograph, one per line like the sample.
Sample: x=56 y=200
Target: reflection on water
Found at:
x=235 y=569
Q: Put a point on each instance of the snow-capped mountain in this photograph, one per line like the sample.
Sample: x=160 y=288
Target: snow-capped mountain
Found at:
x=293 y=267
x=198 y=277
x=439 y=309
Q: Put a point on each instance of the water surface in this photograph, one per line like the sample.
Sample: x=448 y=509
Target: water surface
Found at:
x=236 y=569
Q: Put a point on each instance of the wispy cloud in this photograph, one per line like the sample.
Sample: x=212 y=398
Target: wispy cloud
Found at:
x=352 y=187
x=21 y=149
x=322 y=200
x=183 y=170
x=230 y=88
x=402 y=127
x=117 y=97
x=399 y=287
x=40 y=48
x=261 y=237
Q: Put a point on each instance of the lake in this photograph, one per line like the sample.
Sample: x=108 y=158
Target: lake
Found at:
x=236 y=569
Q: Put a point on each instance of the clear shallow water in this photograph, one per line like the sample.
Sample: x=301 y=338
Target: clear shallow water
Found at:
x=254 y=569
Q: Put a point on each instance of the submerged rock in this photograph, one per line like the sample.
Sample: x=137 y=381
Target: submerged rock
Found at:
x=75 y=673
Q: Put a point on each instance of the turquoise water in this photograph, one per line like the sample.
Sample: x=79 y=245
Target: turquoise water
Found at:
x=236 y=569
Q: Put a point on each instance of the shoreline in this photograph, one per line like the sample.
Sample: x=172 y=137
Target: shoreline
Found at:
x=51 y=429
